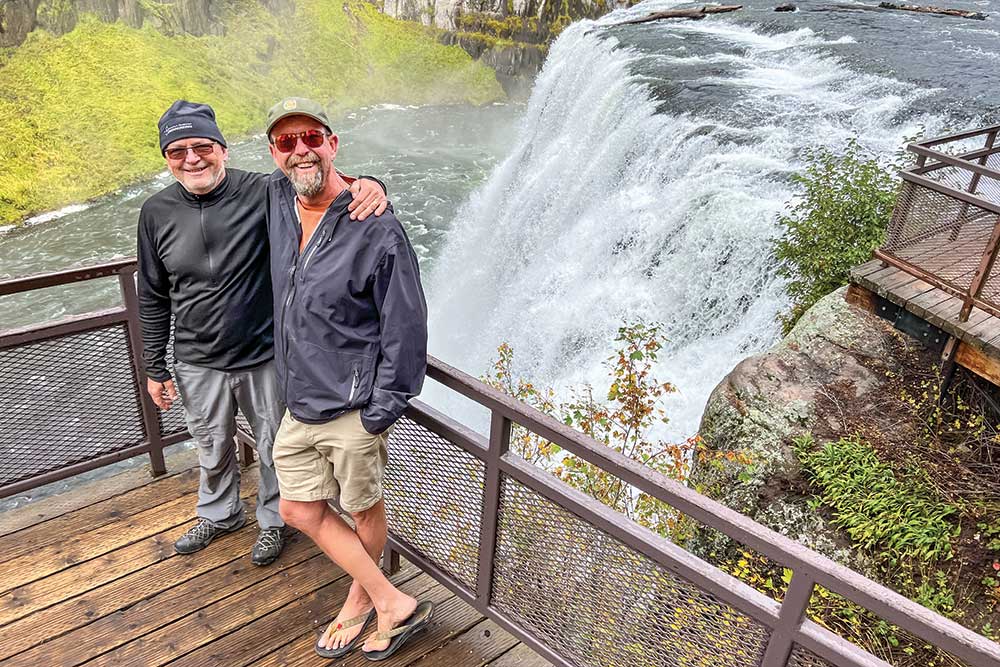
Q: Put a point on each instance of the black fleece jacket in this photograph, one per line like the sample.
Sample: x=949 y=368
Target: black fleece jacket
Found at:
x=204 y=259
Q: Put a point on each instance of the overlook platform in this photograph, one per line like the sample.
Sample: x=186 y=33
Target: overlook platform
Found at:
x=93 y=580
x=935 y=276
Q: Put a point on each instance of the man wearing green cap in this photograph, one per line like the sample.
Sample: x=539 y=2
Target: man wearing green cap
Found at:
x=203 y=261
x=350 y=328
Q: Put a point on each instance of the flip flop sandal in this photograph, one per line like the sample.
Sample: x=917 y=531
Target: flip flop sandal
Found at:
x=416 y=622
x=347 y=648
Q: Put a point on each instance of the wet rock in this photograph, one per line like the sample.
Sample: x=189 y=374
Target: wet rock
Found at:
x=789 y=7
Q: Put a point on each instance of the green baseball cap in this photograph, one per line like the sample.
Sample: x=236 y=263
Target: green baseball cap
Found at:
x=296 y=106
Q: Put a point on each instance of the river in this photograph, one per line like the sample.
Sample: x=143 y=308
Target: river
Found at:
x=643 y=178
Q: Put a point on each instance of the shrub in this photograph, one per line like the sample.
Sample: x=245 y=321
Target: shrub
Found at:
x=835 y=225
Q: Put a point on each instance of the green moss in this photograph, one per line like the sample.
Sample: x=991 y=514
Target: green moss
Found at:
x=78 y=113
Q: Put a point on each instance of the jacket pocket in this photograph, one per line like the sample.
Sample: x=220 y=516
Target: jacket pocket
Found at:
x=322 y=383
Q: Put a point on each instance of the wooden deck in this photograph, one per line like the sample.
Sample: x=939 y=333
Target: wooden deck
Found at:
x=979 y=336
x=90 y=578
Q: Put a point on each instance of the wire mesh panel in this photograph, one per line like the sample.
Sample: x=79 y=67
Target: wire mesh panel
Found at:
x=602 y=604
x=802 y=657
x=434 y=498
x=65 y=401
x=939 y=234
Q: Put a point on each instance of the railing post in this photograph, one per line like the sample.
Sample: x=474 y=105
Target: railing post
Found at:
x=150 y=419
x=390 y=560
x=499 y=444
x=793 y=611
x=982 y=273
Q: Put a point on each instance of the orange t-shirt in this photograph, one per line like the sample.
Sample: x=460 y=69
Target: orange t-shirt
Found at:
x=309 y=217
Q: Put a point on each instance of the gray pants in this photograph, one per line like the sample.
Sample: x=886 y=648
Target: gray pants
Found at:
x=210 y=401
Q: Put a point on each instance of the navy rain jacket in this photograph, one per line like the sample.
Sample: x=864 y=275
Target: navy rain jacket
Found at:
x=350 y=320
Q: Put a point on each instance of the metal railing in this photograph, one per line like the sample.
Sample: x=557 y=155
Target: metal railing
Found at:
x=578 y=582
x=945 y=228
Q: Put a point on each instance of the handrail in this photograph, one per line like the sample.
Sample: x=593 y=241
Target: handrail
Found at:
x=916 y=618
x=52 y=279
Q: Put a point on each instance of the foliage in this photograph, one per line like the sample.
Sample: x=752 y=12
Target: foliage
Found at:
x=895 y=515
x=836 y=223
x=623 y=419
x=78 y=112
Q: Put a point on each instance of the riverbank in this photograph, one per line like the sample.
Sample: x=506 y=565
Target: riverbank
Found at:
x=78 y=111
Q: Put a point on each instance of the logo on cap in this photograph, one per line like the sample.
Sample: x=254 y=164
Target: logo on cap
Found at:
x=289 y=105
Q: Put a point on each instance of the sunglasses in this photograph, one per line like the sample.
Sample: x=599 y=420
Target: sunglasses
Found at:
x=201 y=150
x=286 y=143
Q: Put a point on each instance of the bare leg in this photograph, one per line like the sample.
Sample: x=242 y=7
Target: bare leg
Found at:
x=373 y=532
x=344 y=547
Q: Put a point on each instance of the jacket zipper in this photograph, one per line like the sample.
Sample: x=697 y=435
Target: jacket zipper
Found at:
x=354 y=387
x=204 y=238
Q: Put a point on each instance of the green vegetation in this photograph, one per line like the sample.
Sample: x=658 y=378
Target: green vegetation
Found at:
x=894 y=514
x=622 y=417
x=78 y=112
x=835 y=225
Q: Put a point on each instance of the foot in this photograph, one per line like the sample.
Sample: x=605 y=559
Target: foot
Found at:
x=200 y=536
x=389 y=618
x=268 y=546
x=357 y=604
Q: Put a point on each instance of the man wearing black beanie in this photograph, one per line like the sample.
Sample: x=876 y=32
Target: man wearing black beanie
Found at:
x=203 y=261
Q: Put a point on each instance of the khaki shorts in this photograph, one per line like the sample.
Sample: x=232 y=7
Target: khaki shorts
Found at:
x=337 y=459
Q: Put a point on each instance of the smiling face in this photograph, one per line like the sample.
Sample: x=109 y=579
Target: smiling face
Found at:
x=307 y=168
x=199 y=174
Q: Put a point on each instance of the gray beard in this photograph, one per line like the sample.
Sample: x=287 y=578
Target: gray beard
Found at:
x=308 y=187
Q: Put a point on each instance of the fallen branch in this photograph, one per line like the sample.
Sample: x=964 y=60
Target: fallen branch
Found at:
x=694 y=13
x=963 y=13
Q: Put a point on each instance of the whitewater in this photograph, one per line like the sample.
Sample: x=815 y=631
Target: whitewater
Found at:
x=633 y=193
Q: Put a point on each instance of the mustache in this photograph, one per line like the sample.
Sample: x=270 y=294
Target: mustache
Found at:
x=303 y=159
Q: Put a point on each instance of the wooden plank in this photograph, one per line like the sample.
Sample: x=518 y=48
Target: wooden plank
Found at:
x=93 y=543
x=65 y=613
x=473 y=648
x=920 y=305
x=910 y=291
x=979 y=362
x=451 y=618
x=234 y=583
x=86 y=494
x=985 y=330
x=520 y=656
x=976 y=317
x=895 y=283
x=99 y=514
x=159 y=646
x=944 y=315
x=862 y=270
x=30 y=598
x=310 y=613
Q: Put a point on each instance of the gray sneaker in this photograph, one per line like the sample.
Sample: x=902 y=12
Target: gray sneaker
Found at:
x=268 y=547
x=200 y=535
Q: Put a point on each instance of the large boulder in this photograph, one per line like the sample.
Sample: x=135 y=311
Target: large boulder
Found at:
x=837 y=355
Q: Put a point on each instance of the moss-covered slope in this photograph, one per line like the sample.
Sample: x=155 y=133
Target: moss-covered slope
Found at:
x=78 y=112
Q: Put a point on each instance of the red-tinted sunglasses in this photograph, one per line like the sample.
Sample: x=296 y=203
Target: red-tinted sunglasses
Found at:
x=312 y=138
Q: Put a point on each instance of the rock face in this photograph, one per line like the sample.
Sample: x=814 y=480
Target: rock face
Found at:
x=19 y=17
x=836 y=353
x=445 y=13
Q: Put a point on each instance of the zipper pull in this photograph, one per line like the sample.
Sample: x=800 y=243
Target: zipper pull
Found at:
x=354 y=386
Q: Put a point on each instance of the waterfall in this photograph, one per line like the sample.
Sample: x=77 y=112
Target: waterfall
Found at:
x=648 y=184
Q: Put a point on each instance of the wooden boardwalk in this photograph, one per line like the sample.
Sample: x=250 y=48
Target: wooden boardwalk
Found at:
x=979 y=336
x=92 y=580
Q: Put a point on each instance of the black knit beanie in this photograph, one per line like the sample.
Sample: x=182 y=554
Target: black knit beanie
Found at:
x=184 y=120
